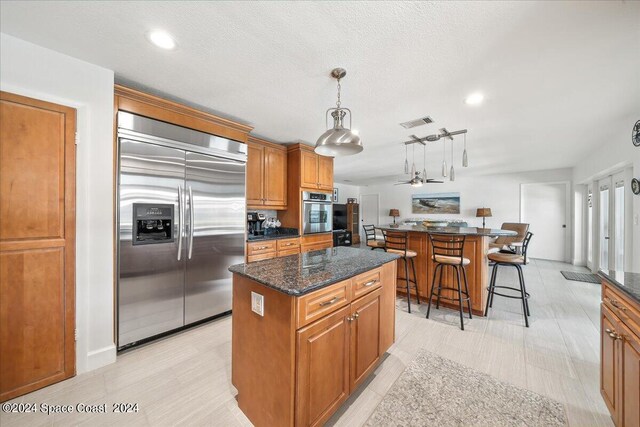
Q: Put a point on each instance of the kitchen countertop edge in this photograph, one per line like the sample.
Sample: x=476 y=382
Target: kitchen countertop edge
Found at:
x=630 y=284
x=238 y=269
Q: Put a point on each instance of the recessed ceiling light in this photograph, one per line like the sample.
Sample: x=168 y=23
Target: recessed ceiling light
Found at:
x=162 y=39
x=474 y=99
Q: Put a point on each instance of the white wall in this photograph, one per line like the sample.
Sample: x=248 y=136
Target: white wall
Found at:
x=613 y=156
x=29 y=70
x=347 y=191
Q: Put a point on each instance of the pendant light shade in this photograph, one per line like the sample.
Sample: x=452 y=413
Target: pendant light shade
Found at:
x=406 y=161
x=452 y=173
x=338 y=140
x=465 y=159
x=444 y=161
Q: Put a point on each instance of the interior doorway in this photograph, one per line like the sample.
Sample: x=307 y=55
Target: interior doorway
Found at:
x=369 y=211
x=545 y=207
x=611 y=222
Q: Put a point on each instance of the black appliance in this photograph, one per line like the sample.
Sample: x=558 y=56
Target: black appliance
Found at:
x=339 y=216
x=342 y=238
x=254 y=223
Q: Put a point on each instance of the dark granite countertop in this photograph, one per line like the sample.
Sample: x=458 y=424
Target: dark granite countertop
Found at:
x=303 y=273
x=274 y=234
x=629 y=283
x=468 y=231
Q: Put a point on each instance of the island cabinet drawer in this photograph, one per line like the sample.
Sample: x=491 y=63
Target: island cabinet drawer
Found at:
x=262 y=247
x=315 y=305
x=365 y=283
x=288 y=244
x=622 y=307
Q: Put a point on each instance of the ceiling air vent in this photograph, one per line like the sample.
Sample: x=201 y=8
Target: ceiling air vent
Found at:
x=417 y=122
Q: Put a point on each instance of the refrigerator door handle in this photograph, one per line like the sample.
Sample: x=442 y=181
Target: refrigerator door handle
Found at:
x=191 y=220
x=180 y=221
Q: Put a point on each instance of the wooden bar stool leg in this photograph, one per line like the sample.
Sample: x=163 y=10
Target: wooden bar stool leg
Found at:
x=459 y=297
x=415 y=278
x=466 y=288
x=433 y=288
x=406 y=276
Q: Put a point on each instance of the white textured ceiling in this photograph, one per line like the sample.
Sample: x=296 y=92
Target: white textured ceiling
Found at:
x=559 y=78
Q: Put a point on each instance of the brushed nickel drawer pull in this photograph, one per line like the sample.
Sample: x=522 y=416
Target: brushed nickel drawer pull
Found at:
x=329 y=302
x=356 y=315
x=262 y=247
x=370 y=283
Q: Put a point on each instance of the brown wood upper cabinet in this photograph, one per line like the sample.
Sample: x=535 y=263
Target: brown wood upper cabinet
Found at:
x=316 y=172
x=266 y=175
x=620 y=356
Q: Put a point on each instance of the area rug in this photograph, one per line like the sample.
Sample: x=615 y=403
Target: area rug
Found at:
x=434 y=391
x=581 y=277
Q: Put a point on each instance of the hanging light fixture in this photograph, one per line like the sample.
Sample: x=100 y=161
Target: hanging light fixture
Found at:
x=444 y=161
x=465 y=160
x=424 y=163
x=406 y=161
x=413 y=162
x=452 y=173
x=338 y=141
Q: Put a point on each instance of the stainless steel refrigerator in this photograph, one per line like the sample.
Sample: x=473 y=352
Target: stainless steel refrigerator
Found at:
x=181 y=223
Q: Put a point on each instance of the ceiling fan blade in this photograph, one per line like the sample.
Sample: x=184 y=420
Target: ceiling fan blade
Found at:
x=401 y=183
x=434 y=181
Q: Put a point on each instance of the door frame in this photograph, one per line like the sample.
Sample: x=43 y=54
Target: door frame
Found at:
x=360 y=230
x=568 y=218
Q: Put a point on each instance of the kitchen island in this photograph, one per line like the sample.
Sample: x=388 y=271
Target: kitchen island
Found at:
x=620 y=346
x=307 y=330
x=475 y=249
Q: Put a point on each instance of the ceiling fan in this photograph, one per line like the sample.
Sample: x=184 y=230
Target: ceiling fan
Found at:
x=416 y=181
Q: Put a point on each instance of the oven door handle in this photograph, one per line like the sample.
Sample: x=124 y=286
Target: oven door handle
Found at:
x=180 y=221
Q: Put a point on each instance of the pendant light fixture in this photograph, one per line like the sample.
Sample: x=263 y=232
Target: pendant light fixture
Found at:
x=406 y=161
x=452 y=173
x=338 y=141
x=444 y=161
x=424 y=163
x=465 y=160
x=413 y=162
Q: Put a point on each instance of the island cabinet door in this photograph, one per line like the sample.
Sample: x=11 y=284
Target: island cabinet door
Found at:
x=610 y=365
x=365 y=337
x=630 y=378
x=323 y=368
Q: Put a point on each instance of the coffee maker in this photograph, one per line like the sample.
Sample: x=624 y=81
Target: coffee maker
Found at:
x=254 y=223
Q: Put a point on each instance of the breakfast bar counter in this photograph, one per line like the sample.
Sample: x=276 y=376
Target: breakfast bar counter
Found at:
x=476 y=248
x=308 y=330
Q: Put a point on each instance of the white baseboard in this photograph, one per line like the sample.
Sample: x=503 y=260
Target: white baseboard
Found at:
x=101 y=357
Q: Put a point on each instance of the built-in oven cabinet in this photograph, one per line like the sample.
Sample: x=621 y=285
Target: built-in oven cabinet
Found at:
x=306 y=171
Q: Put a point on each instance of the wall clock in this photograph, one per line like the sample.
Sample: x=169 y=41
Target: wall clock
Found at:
x=635 y=186
x=635 y=134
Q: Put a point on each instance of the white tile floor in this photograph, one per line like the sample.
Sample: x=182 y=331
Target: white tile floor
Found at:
x=185 y=379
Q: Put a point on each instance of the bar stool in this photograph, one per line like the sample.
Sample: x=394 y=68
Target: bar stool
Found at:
x=396 y=242
x=447 y=251
x=372 y=240
x=516 y=261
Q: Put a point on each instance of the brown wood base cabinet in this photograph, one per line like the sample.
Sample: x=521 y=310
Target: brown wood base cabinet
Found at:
x=620 y=356
x=297 y=364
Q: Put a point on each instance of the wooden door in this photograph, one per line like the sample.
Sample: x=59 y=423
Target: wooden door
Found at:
x=325 y=173
x=309 y=172
x=630 y=387
x=365 y=337
x=37 y=244
x=322 y=368
x=275 y=181
x=255 y=174
x=609 y=363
